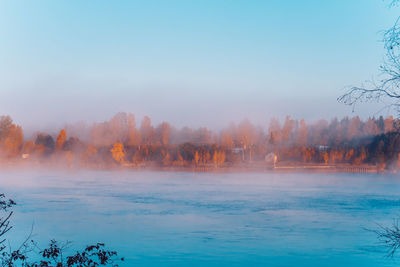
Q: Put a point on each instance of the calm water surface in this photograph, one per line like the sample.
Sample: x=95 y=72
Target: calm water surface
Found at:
x=187 y=219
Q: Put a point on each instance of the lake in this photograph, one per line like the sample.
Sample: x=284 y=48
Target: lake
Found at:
x=197 y=219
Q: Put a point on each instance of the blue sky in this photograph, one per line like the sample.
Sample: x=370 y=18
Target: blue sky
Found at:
x=188 y=62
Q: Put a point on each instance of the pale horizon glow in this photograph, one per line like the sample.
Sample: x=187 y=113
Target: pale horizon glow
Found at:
x=203 y=63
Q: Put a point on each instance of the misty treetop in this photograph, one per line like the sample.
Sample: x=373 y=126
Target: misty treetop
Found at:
x=121 y=142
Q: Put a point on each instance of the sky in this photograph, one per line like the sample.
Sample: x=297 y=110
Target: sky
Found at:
x=194 y=63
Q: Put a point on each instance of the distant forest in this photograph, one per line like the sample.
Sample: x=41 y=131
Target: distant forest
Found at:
x=120 y=142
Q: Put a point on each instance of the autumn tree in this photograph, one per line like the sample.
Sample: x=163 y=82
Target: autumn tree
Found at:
x=361 y=157
x=183 y=135
x=119 y=127
x=319 y=134
x=89 y=154
x=218 y=158
x=11 y=136
x=101 y=134
x=226 y=139
x=274 y=132
x=5 y=125
x=202 y=136
x=287 y=129
x=354 y=128
x=61 y=138
x=196 y=158
x=118 y=152
x=336 y=155
x=166 y=160
x=215 y=158
x=302 y=133
x=326 y=157
x=13 y=140
x=370 y=128
x=164 y=133
x=389 y=122
x=307 y=153
x=137 y=158
x=205 y=157
x=134 y=137
x=147 y=131
x=349 y=155
x=246 y=134
x=44 y=144
x=221 y=157
x=28 y=147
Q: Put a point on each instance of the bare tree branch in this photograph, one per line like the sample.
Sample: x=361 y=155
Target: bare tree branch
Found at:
x=387 y=89
x=389 y=237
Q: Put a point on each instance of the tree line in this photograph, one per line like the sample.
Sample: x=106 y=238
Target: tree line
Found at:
x=120 y=141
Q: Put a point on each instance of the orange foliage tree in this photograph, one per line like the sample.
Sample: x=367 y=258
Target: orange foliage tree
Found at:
x=14 y=140
x=61 y=138
x=196 y=158
x=118 y=152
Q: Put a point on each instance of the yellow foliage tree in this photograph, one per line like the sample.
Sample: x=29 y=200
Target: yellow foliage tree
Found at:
x=118 y=152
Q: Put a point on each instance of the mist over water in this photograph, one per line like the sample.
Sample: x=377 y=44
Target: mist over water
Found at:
x=181 y=219
x=179 y=133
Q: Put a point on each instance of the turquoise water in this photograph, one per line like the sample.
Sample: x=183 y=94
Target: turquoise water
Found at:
x=198 y=219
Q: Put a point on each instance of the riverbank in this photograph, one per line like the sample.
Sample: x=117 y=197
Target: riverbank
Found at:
x=286 y=167
x=280 y=167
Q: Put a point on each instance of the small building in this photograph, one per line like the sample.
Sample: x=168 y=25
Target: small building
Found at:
x=237 y=150
x=322 y=148
x=271 y=158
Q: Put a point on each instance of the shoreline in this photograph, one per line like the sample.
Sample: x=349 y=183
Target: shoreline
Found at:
x=287 y=167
